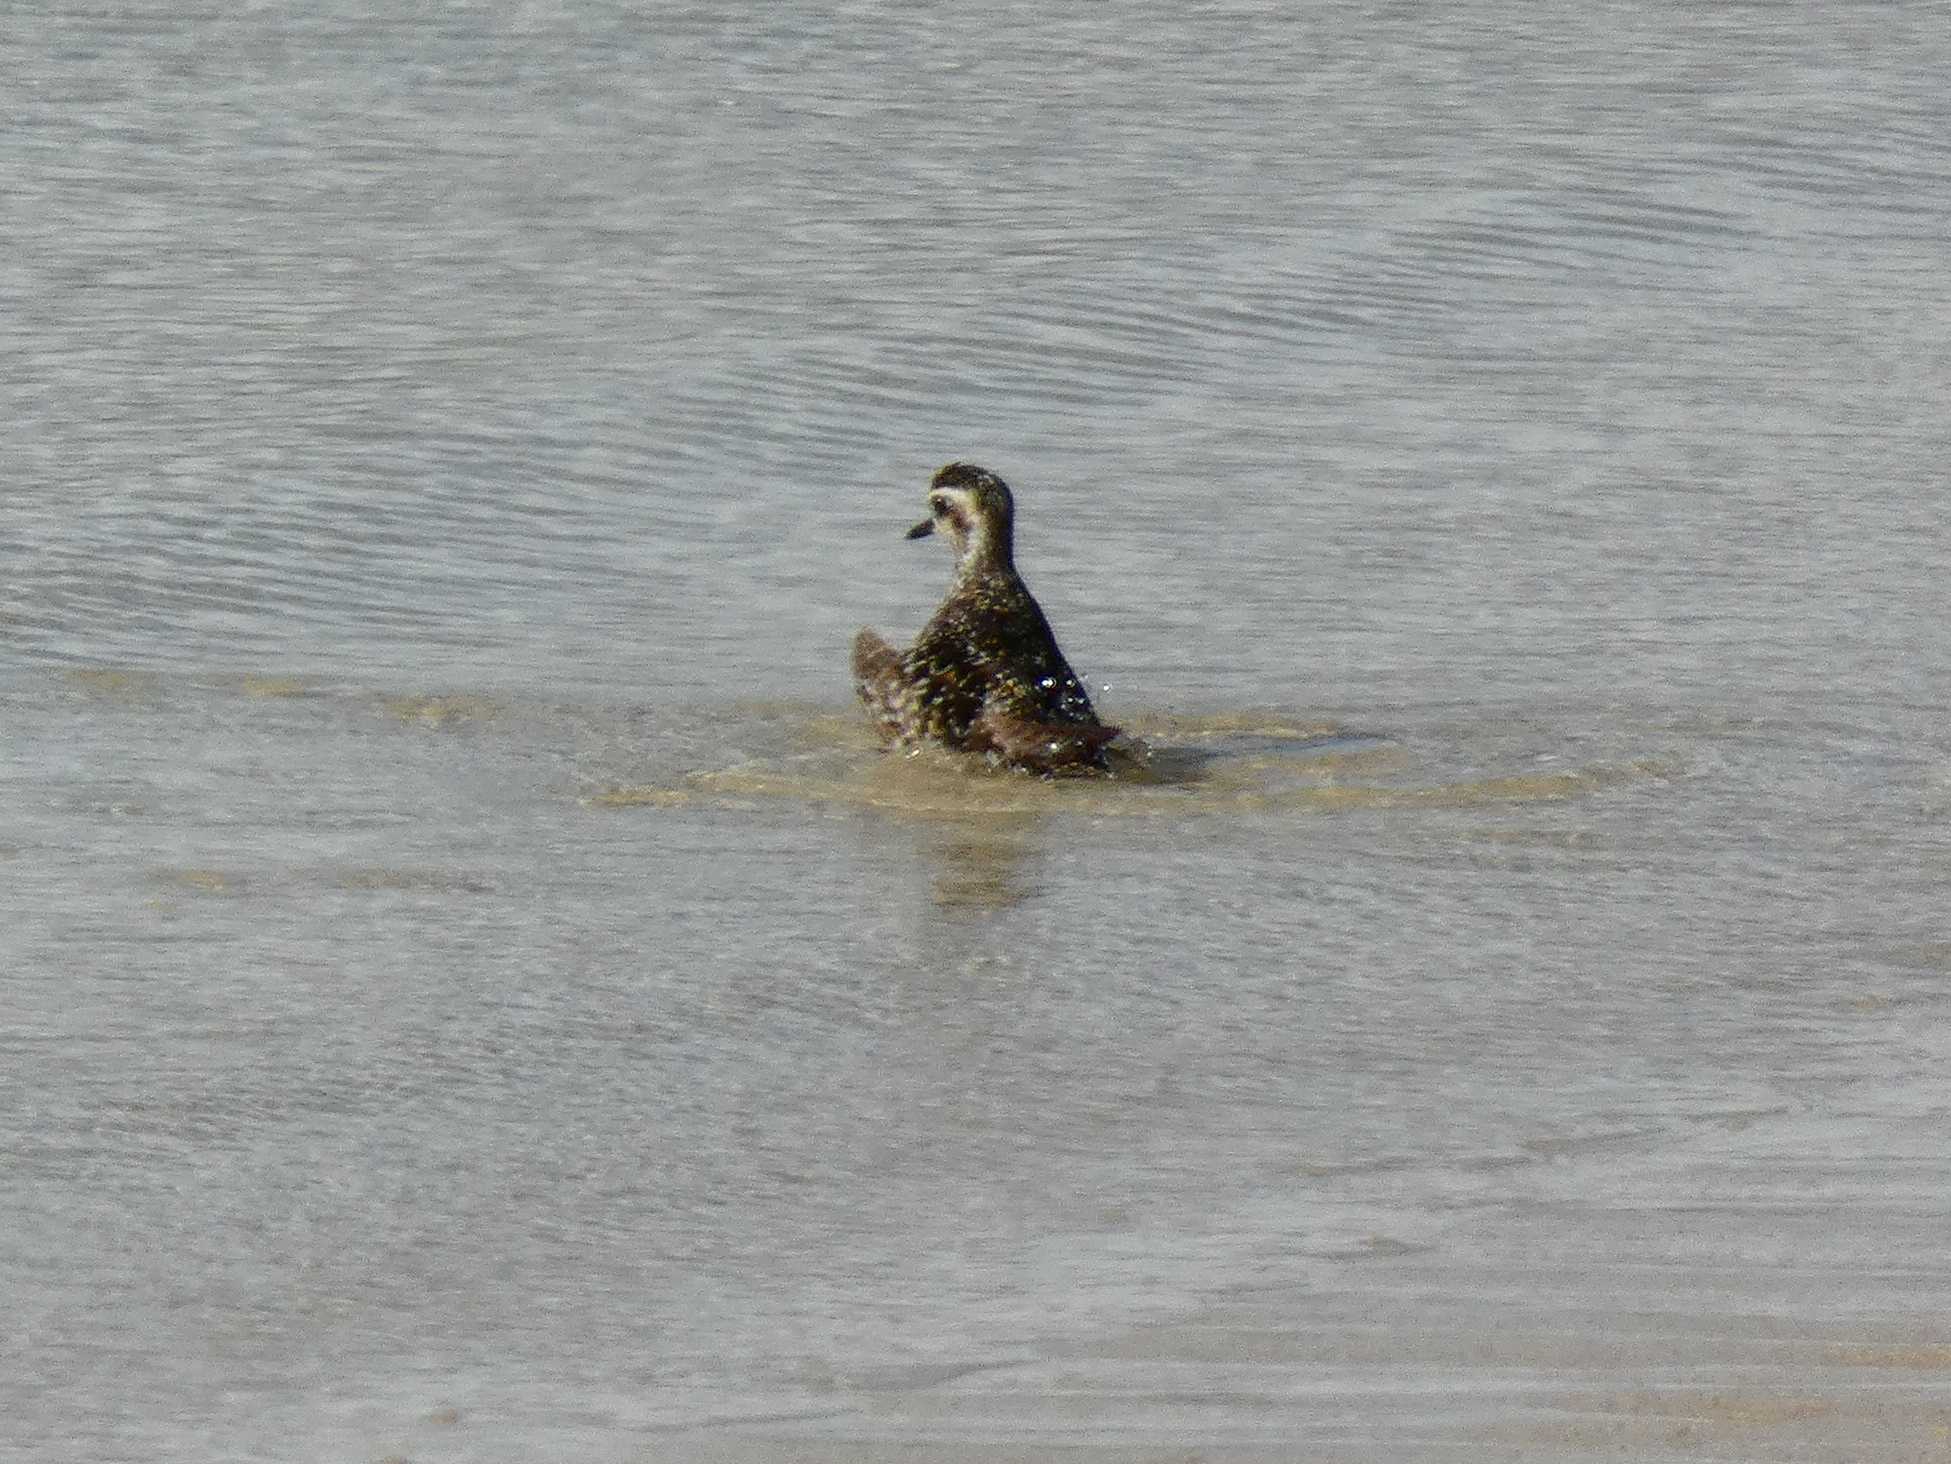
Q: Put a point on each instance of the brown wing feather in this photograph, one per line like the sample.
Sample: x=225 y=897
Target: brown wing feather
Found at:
x=882 y=683
x=1044 y=747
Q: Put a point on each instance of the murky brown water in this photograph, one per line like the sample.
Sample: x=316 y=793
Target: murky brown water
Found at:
x=474 y=990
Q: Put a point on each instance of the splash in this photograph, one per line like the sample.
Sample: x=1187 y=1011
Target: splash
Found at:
x=1168 y=766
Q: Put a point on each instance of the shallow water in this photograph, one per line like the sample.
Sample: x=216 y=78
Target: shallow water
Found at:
x=474 y=989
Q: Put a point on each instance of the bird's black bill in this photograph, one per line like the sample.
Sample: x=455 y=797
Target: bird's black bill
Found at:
x=922 y=530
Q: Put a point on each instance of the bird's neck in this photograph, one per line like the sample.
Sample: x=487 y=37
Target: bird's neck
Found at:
x=988 y=551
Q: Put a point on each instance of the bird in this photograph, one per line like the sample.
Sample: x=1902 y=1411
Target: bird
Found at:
x=985 y=675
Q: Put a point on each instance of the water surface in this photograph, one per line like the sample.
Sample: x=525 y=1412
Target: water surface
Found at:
x=474 y=990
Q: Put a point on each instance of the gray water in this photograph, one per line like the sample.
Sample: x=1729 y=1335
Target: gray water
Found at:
x=473 y=990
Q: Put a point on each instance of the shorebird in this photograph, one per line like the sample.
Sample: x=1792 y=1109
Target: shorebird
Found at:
x=985 y=674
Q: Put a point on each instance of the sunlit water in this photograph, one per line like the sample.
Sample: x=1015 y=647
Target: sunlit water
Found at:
x=472 y=986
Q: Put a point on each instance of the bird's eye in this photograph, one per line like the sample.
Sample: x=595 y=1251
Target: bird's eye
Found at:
x=938 y=506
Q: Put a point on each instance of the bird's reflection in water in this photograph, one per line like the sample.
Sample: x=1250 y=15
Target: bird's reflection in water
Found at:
x=981 y=867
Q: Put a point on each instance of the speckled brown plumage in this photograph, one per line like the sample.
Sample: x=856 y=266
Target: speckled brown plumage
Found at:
x=985 y=674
